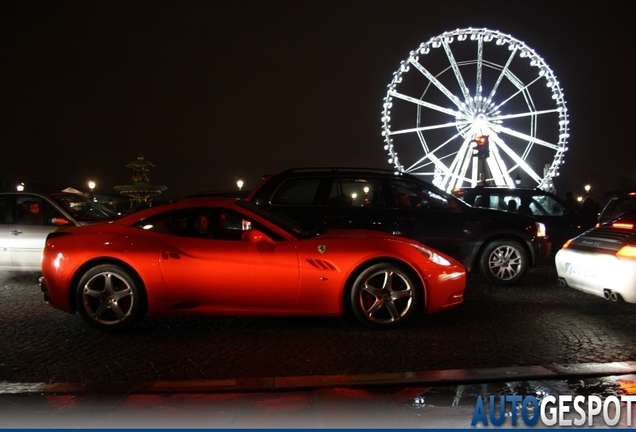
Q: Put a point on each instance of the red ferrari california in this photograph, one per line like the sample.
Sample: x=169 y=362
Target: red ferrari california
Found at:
x=214 y=256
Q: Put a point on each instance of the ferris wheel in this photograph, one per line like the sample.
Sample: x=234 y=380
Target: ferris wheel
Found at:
x=467 y=84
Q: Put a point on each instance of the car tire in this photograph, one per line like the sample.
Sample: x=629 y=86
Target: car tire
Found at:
x=385 y=296
x=110 y=298
x=504 y=262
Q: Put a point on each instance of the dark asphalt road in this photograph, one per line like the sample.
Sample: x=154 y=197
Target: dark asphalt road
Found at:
x=535 y=323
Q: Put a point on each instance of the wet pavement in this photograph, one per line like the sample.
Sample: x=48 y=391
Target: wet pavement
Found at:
x=431 y=399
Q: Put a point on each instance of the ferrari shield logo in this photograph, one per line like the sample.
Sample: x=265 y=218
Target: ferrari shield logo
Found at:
x=322 y=248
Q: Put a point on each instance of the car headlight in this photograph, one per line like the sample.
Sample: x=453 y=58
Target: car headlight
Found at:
x=432 y=256
x=540 y=229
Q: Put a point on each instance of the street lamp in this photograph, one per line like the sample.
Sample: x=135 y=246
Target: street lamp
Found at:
x=518 y=179
x=91 y=186
x=587 y=188
x=239 y=183
x=20 y=187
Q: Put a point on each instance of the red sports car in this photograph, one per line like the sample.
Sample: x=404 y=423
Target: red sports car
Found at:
x=216 y=256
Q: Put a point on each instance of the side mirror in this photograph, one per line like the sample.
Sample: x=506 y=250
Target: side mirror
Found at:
x=60 y=221
x=256 y=236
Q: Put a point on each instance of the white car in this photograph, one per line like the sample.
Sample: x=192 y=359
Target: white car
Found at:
x=27 y=218
x=602 y=260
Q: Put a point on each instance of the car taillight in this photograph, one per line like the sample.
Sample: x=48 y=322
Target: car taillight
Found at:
x=566 y=244
x=540 y=229
x=627 y=252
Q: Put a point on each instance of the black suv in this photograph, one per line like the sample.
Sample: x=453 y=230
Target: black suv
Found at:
x=562 y=222
x=502 y=245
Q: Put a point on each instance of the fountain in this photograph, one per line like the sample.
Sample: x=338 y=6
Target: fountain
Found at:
x=140 y=192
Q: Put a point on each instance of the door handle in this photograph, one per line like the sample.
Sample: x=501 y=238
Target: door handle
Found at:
x=16 y=232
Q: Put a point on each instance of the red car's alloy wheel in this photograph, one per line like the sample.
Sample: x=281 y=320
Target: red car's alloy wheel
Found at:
x=385 y=295
x=109 y=298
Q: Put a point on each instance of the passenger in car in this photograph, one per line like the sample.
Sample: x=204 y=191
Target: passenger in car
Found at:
x=33 y=215
x=402 y=200
x=198 y=227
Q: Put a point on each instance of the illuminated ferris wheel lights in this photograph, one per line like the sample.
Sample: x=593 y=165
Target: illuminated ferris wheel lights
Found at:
x=477 y=113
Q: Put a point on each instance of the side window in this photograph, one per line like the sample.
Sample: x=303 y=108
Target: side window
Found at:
x=355 y=192
x=509 y=203
x=481 y=201
x=297 y=191
x=34 y=210
x=159 y=223
x=409 y=194
x=203 y=222
x=547 y=205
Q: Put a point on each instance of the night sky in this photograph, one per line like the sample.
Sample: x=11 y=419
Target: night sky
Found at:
x=211 y=91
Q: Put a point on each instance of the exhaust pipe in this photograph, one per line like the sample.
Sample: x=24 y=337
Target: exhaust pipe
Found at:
x=561 y=282
x=612 y=296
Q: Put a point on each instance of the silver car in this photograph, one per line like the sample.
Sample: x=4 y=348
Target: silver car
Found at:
x=26 y=219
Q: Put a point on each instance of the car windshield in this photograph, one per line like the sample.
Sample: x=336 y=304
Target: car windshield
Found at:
x=82 y=208
x=289 y=225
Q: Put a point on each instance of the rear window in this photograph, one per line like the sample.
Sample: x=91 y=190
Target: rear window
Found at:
x=618 y=206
